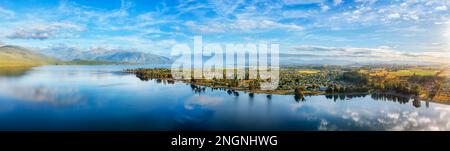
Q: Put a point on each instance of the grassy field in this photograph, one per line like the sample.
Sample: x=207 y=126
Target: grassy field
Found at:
x=308 y=71
x=408 y=72
x=11 y=56
x=7 y=62
x=411 y=72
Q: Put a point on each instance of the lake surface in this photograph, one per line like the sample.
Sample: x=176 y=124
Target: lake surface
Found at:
x=103 y=98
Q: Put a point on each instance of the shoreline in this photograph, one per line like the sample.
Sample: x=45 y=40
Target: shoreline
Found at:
x=308 y=93
x=305 y=93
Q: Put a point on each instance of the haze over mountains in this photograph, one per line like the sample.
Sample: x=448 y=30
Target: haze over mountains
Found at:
x=101 y=54
x=307 y=54
x=19 y=56
x=12 y=56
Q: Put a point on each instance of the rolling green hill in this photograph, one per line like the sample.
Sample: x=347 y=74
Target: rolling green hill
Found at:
x=13 y=56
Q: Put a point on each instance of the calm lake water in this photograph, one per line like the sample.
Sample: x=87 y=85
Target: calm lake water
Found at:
x=103 y=98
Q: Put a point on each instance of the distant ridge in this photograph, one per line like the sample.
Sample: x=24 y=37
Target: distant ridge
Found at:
x=15 y=56
x=123 y=56
x=134 y=57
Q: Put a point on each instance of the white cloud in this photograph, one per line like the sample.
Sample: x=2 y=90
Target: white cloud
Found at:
x=368 y=55
x=324 y=7
x=323 y=125
x=368 y=13
x=225 y=7
x=266 y=24
x=301 y=2
x=100 y=19
x=203 y=101
x=43 y=31
x=289 y=14
x=441 y=8
x=393 y=16
x=384 y=47
x=354 y=115
x=121 y=19
x=337 y=2
x=242 y=24
x=366 y=1
x=394 y=116
x=5 y=13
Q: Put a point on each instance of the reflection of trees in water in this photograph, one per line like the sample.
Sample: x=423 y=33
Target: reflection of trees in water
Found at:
x=143 y=78
x=299 y=97
x=417 y=103
x=235 y=93
x=157 y=80
x=394 y=98
x=341 y=97
x=269 y=96
x=161 y=81
x=202 y=89
x=376 y=96
x=251 y=95
x=390 y=97
x=298 y=94
x=232 y=92
x=198 y=89
x=229 y=92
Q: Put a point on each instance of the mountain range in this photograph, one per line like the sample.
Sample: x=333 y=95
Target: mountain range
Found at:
x=110 y=55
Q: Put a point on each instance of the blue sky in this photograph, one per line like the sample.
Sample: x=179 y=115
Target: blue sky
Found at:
x=379 y=30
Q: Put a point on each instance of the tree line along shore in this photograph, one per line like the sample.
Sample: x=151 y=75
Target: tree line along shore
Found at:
x=417 y=82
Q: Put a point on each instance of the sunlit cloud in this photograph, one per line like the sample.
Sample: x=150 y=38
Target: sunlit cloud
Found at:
x=367 y=55
x=45 y=31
